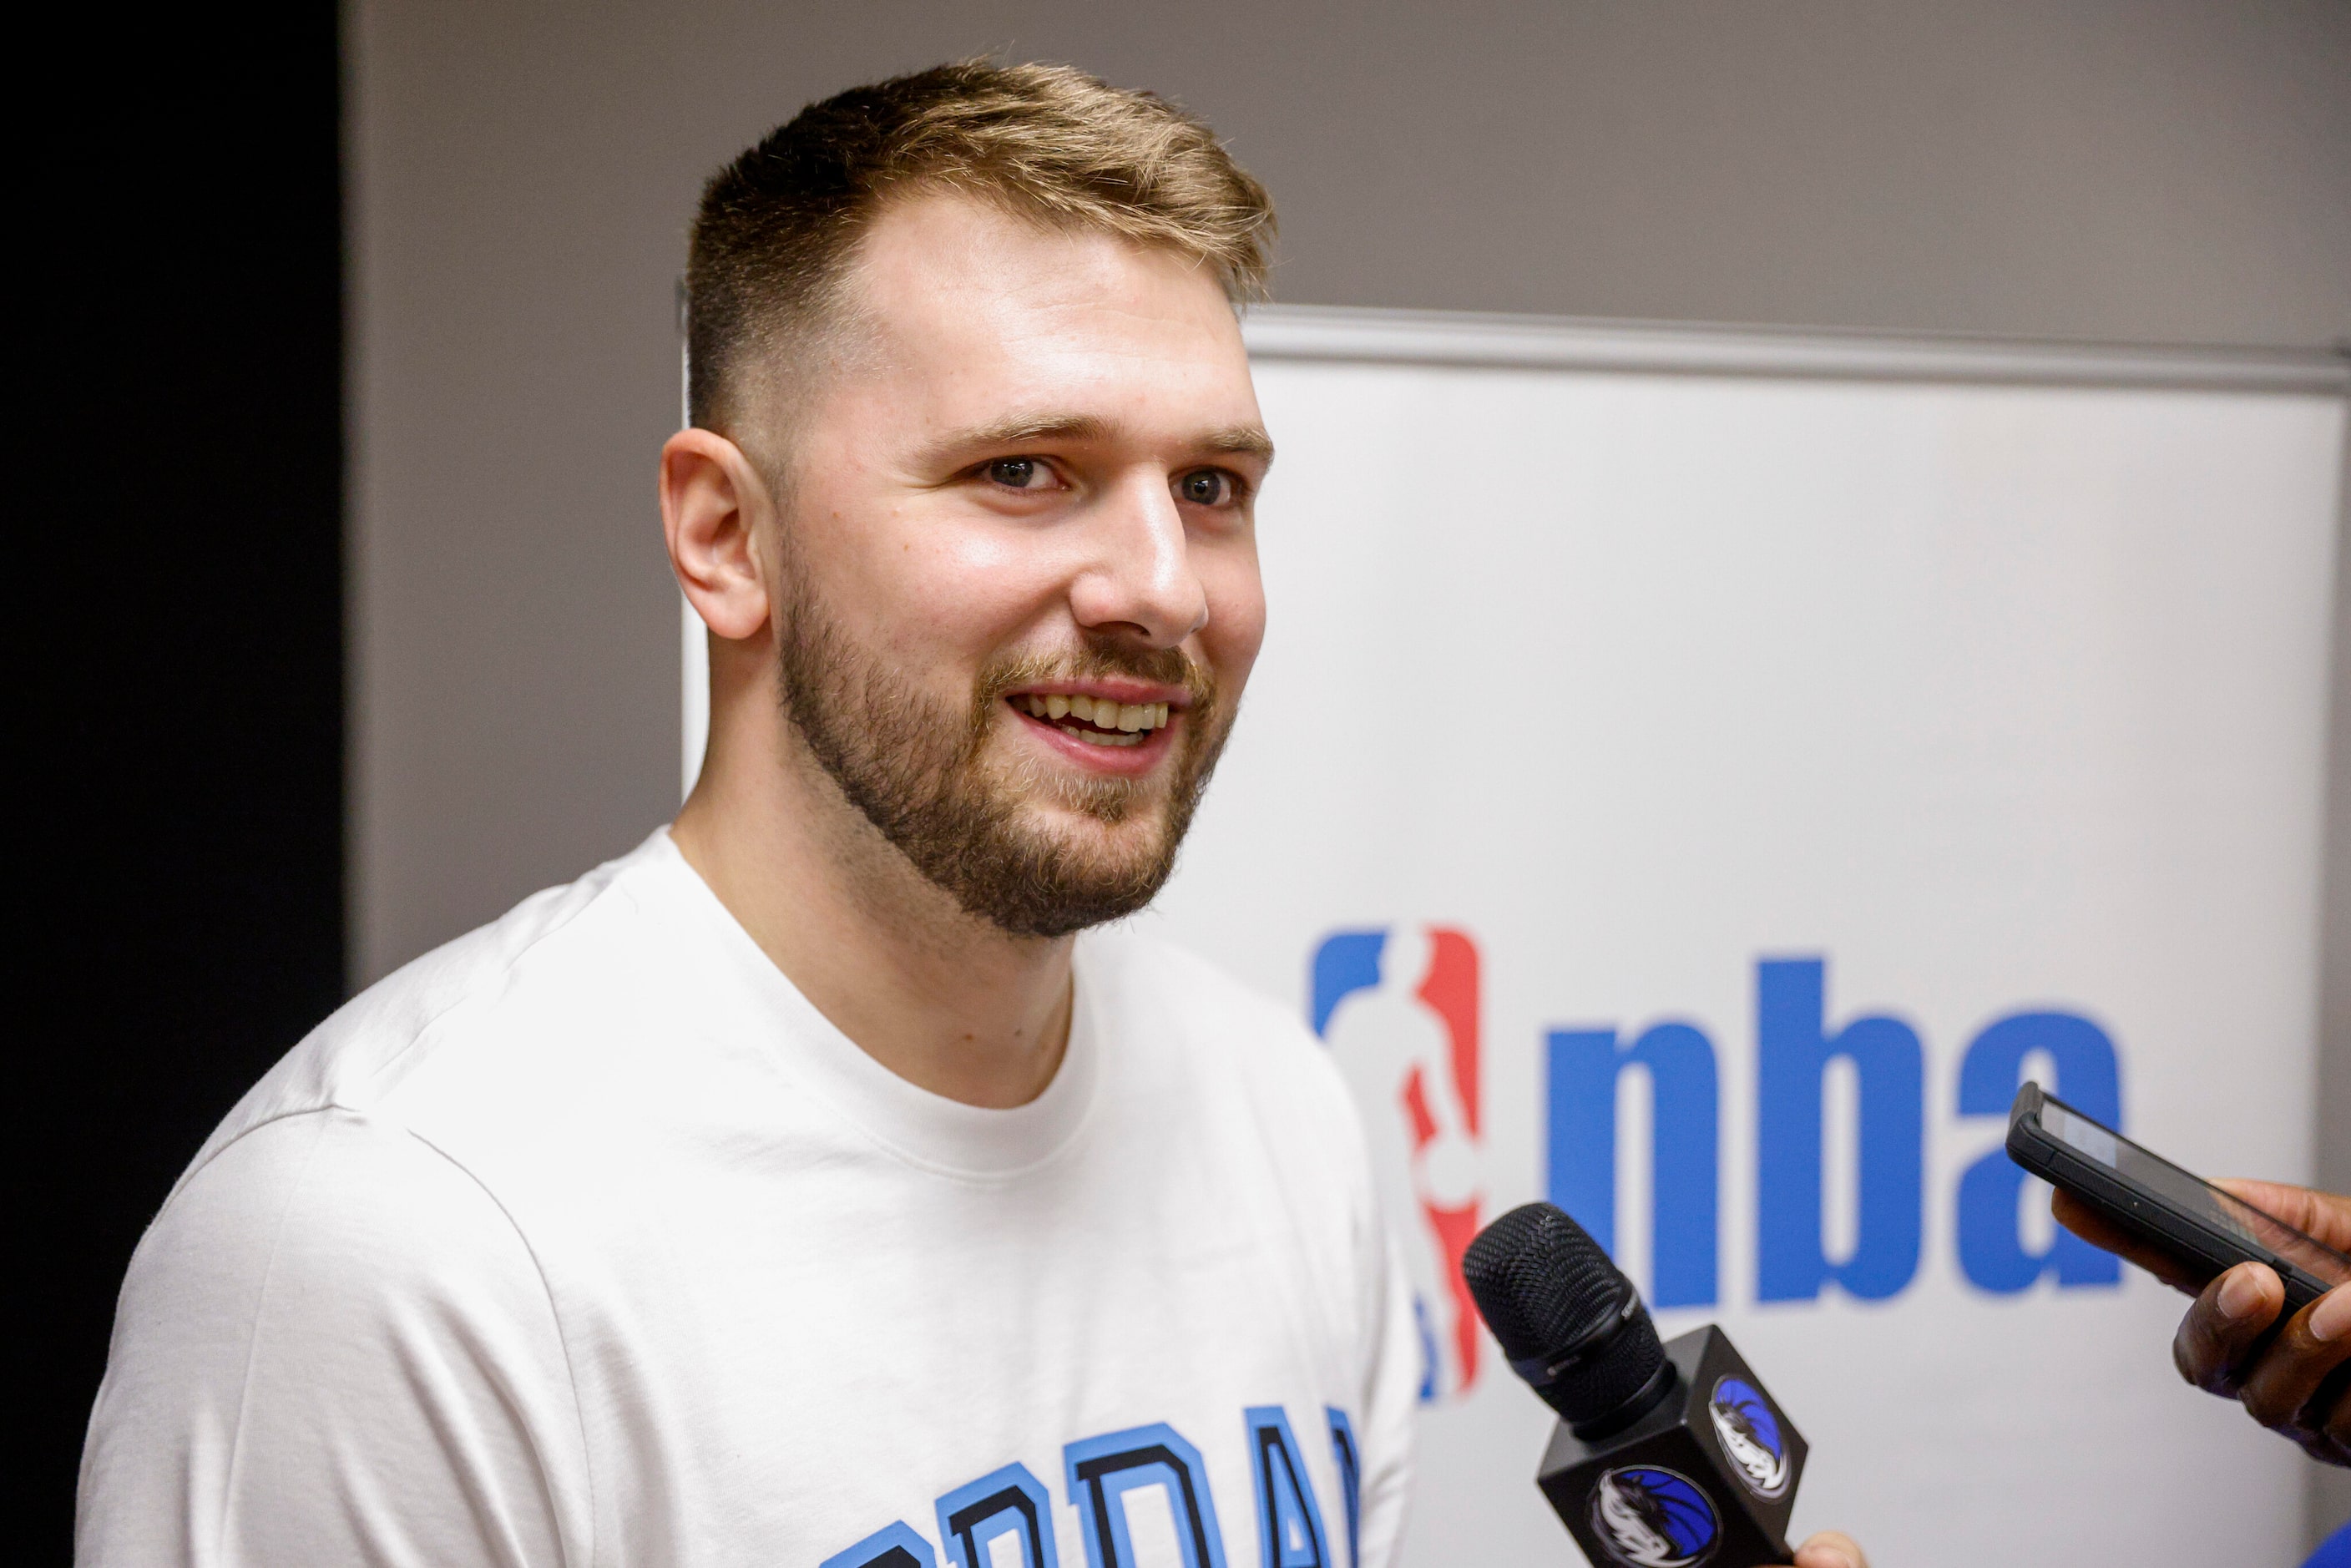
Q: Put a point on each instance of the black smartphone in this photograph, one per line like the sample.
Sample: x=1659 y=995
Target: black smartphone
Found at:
x=2162 y=1204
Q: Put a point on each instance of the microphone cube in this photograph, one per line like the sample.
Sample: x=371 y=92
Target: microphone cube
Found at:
x=1706 y=1478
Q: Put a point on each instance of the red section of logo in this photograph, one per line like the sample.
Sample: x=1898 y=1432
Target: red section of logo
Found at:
x=1450 y=991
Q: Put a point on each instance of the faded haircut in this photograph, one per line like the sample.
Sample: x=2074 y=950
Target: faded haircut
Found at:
x=778 y=227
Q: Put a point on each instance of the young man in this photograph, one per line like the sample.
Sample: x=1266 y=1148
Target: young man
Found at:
x=801 y=1188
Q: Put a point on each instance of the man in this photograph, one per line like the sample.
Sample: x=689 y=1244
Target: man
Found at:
x=801 y=1189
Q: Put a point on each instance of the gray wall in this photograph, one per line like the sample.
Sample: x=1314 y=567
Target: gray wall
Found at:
x=2165 y=171
x=2330 y=1489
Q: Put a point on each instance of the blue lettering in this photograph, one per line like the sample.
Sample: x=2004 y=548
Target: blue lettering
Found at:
x=894 y=1545
x=1794 y=1049
x=1685 y=1136
x=1991 y=1254
x=1009 y=1501
x=1351 y=1477
x=1104 y=1469
x=1289 y=1524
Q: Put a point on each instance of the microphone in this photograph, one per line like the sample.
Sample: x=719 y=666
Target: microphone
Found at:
x=1667 y=1456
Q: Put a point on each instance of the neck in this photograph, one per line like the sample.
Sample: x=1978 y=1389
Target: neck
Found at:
x=945 y=1000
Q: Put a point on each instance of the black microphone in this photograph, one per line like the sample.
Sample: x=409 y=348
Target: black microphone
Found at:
x=1667 y=1456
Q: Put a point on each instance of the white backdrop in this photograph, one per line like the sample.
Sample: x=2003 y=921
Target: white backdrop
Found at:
x=1989 y=689
x=1609 y=665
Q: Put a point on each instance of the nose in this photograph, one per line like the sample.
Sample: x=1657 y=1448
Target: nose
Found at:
x=1138 y=579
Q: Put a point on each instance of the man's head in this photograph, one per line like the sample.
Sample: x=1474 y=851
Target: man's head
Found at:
x=779 y=228
x=975 y=454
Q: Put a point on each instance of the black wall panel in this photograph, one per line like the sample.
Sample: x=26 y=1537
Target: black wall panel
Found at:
x=179 y=573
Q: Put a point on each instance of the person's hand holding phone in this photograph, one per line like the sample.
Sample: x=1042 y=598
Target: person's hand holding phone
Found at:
x=2297 y=1381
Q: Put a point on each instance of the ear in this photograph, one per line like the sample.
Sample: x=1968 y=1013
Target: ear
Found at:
x=715 y=508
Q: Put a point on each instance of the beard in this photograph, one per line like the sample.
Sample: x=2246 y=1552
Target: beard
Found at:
x=919 y=771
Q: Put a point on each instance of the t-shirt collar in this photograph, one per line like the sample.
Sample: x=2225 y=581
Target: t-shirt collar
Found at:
x=925 y=1129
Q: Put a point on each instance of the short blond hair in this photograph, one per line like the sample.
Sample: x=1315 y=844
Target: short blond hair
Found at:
x=778 y=225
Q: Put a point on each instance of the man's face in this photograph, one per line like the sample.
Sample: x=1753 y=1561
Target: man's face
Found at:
x=1018 y=582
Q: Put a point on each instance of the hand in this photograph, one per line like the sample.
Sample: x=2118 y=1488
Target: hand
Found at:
x=1830 y=1549
x=2297 y=1383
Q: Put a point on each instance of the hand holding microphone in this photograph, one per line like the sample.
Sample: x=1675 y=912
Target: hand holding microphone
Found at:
x=1667 y=1456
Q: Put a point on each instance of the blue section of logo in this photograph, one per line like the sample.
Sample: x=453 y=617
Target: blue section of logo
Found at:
x=1646 y=1516
x=1991 y=1254
x=1347 y=962
x=1009 y=1501
x=1104 y=1469
x=894 y=1545
x=1748 y=1430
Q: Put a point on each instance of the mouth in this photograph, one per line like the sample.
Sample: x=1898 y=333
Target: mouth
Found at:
x=1094 y=721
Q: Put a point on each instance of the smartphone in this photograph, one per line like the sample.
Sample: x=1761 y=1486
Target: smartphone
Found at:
x=2162 y=1204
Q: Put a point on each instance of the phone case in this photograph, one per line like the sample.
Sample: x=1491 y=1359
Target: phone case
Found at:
x=2144 y=1214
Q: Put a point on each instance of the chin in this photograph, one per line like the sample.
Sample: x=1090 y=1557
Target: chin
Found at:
x=1106 y=849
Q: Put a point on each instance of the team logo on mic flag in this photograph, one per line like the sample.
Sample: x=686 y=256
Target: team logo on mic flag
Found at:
x=1650 y=1517
x=1749 y=1431
x=1398 y=1007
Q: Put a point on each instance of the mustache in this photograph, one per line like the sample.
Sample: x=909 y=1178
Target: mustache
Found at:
x=1096 y=657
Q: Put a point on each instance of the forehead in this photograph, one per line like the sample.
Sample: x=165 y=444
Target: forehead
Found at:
x=966 y=311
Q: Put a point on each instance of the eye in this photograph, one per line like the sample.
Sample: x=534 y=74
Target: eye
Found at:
x=1206 y=487
x=1019 y=473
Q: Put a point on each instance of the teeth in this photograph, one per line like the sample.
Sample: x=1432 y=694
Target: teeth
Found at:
x=1131 y=720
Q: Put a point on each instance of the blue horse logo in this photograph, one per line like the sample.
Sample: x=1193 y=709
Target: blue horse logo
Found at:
x=1749 y=1431
x=1650 y=1517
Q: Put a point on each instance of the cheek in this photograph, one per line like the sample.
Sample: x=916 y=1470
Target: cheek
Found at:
x=964 y=590
x=1236 y=627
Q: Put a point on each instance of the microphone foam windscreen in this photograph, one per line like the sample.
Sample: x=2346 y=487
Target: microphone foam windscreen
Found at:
x=1541 y=1284
x=1540 y=1281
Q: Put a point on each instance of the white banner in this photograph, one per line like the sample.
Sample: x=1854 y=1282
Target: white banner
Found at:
x=1698 y=792
x=1694 y=775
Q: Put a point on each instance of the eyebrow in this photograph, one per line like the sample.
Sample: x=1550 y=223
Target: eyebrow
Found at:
x=1238 y=440
x=1242 y=441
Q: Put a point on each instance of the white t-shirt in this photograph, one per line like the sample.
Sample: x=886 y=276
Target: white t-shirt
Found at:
x=586 y=1239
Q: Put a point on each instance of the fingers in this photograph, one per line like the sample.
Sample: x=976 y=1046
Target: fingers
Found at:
x=2292 y=1378
x=2322 y=1215
x=1830 y=1549
x=2291 y=1387
x=2218 y=1332
x=2330 y=1413
x=2087 y=1224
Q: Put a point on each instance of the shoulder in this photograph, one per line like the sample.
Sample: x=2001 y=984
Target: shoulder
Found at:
x=324 y=1204
x=283 y=1266
x=567 y=956
x=316 y=1309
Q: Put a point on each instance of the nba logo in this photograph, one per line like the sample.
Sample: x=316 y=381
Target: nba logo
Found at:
x=1398 y=1007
